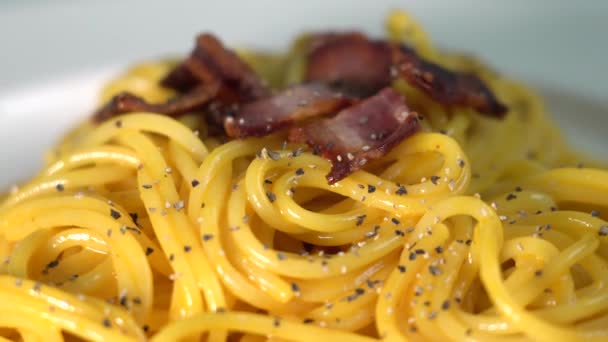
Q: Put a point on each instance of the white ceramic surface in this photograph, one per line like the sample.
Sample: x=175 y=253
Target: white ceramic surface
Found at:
x=55 y=54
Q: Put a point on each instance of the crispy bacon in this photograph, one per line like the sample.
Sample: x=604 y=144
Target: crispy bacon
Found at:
x=444 y=86
x=356 y=63
x=360 y=133
x=211 y=62
x=196 y=99
x=294 y=104
x=211 y=73
x=349 y=61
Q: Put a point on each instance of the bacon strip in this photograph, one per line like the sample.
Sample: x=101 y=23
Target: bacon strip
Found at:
x=360 y=133
x=196 y=99
x=211 y=62
x=211 y=72
x=444 y=86
x=294 y=104
x=357 y=63
x=349 y=61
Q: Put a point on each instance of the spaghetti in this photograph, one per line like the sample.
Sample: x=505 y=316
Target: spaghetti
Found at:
x=147 y=227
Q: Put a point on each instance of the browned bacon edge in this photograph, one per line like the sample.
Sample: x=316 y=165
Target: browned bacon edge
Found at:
x=444 y=86
x=356 y=63
x=125 y=102
x=211 y=61
x=360 y=133
x=281 y=110
x=349 y=61
x=211 y=72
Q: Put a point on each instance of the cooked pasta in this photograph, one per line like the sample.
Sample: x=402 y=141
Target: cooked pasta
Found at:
x=147 y=227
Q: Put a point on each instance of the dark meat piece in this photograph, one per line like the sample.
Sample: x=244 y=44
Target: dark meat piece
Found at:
x=211 y=62
x=350 y=62
x=196 y=99
x=362 y=66
x=211 y=73
x=444 y=86
x=360 y=133
x=293 y=104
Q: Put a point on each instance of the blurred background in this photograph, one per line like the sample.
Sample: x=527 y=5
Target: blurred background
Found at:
x=559 y=43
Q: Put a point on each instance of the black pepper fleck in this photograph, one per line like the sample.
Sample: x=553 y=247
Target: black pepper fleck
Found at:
x=123 y=301
x=297 y=152
x=360 y=219
x=300 y=171
x=434 y=179
x=60 y=187
x=511 y=197
x=434 y=270
x=401 y=268
x=370 y=188
x=207 y=237
x=271 y=196
x=115 y=214
x=274 y=155
x=401 y=191
x=195 y=183
x=276 y=322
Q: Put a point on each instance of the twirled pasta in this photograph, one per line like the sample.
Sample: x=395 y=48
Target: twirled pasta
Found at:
x=146 y=227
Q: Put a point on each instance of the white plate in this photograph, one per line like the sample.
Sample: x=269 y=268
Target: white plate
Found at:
x=56 y=54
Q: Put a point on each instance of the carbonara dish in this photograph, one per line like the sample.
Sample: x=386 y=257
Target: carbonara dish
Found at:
x=352 y=188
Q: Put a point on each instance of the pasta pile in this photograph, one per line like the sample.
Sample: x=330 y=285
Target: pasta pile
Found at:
x=146 y=227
